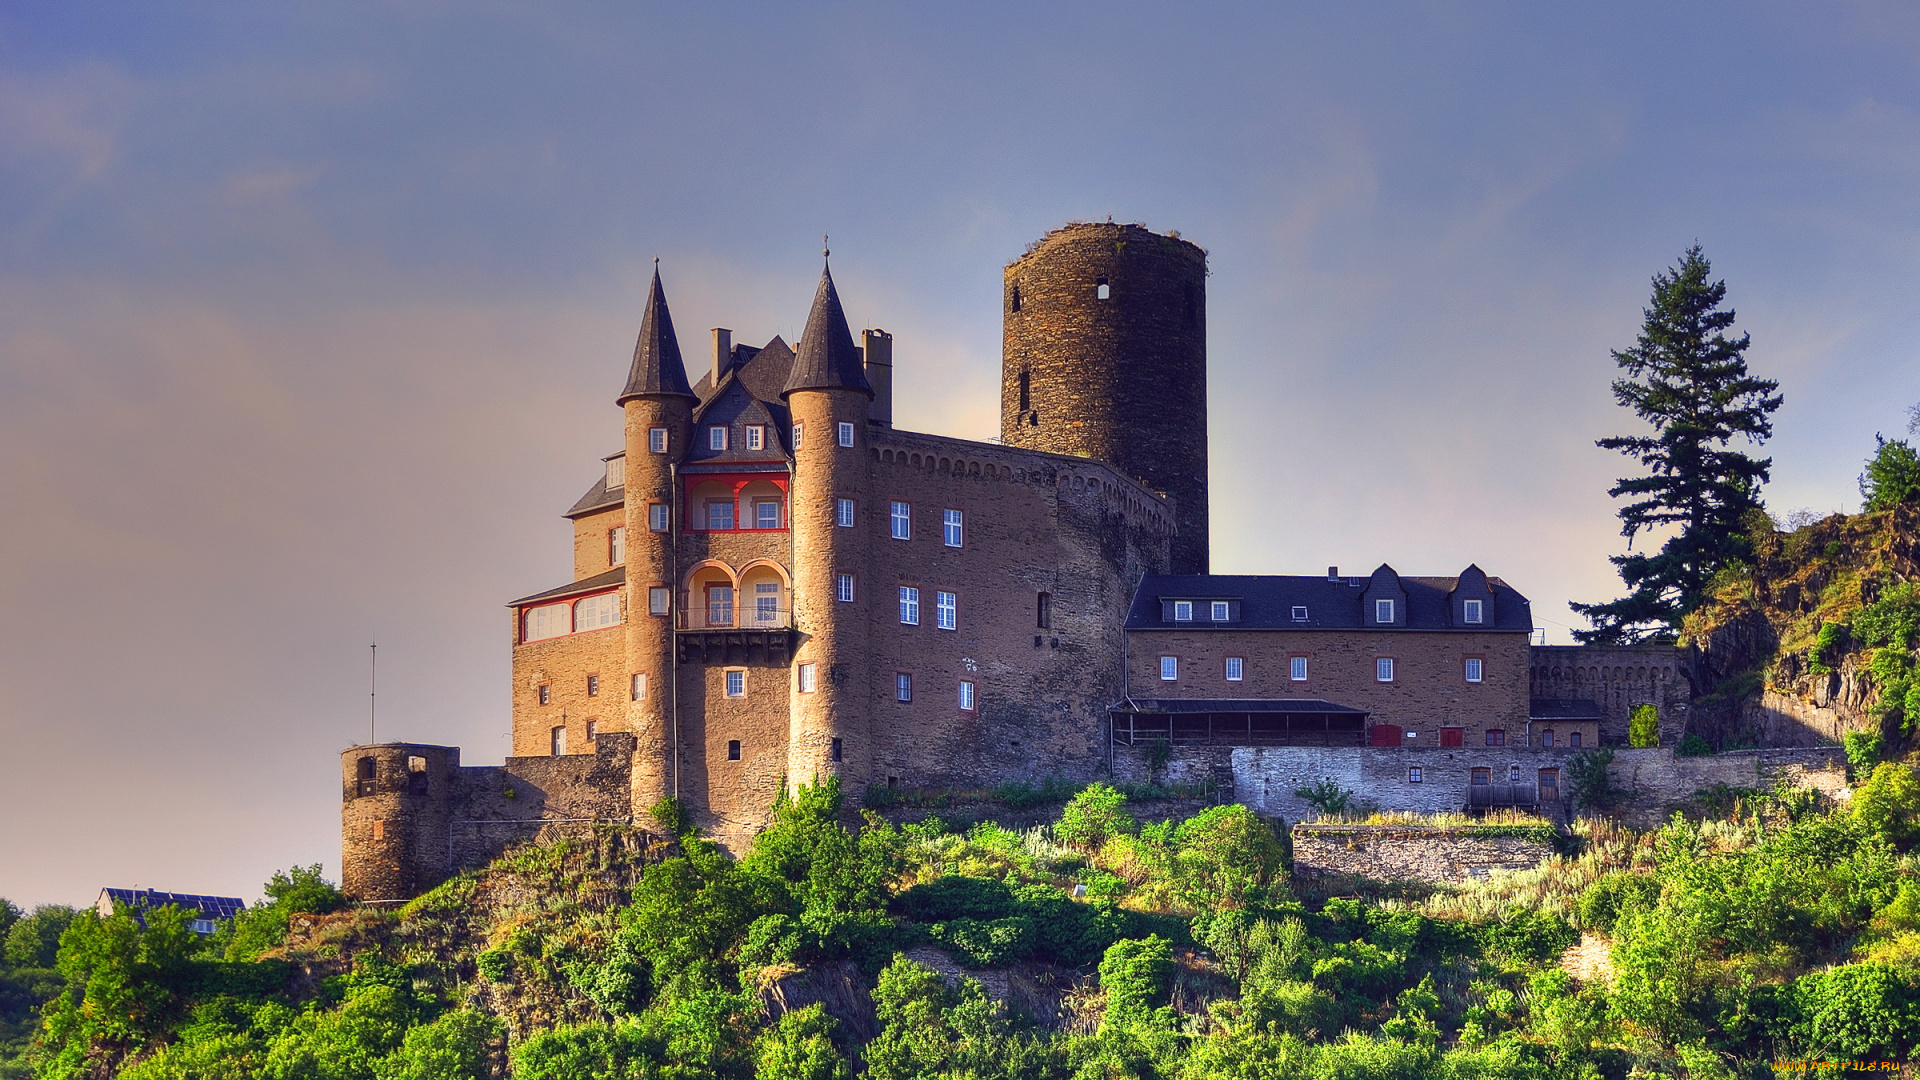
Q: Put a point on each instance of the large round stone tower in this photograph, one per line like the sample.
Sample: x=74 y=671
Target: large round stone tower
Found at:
x=1105 y=357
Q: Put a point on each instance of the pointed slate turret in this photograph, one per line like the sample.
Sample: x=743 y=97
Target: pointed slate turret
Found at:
x=657 y=367
x=827 y=358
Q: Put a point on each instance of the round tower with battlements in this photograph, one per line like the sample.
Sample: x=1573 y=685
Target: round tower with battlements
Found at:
x=1105 y=356
x=394 y=819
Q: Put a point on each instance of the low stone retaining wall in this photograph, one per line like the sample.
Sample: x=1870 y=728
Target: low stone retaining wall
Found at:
x=1399 y=853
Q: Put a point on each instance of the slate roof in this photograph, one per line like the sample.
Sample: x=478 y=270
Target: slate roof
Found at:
x=598 y=497
x=208 y=907
x=1267 y=602
x=657 y=367
x=615 y=576
x=827 y=358
x=1563 y=709
x=1314 y=706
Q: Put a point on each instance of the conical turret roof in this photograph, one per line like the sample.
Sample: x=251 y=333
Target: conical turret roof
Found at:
x=657 y=367
x=827 y=358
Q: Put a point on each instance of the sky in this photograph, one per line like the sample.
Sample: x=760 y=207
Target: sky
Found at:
x=312 y=315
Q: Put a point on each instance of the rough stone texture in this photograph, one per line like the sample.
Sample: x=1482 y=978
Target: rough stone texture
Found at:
x=1121 y=379
x=1655 y=777
x=1617 y=678
x=1396 y=853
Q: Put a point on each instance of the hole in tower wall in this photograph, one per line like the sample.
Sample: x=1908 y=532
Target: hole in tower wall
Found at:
x=1014 y=300
x=1026 y=386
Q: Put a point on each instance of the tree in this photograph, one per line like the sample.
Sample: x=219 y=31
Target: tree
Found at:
x=1892 y=476
x=1689 y=380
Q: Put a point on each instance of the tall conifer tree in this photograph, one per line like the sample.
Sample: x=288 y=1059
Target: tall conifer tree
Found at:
x=1689 y=380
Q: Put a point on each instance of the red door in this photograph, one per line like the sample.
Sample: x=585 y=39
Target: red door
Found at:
x=1385 y=735
x=1453 y=736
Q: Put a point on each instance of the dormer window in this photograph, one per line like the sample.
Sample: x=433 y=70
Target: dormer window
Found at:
x=616 y=471
x=1299 y=613
x=756 y=436
x=1383 y=612
x=1474 y=610
x=717 y=437
x=1222 y=611
x=1183 y=611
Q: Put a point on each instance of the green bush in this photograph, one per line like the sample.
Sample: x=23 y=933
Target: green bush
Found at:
x=1693 y=746
x=1857 y=1012
x=1889 y=803
x=33 y=941
x=1226 y=855
x=1589 y=780
x=1092 y=817
x=1133 y=976
x=1892 y=476
x=1863 y=749
x=588 y=1052
x=799 y=1046
x=1643 y=726
x=1600 y=905
x=1326 y=796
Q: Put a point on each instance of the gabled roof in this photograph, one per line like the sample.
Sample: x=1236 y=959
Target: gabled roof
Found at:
x=657 y=367
x=598 y=497
x=734 y=405
x=827 y=358
x=1267 y=603
x=208 y=907
x=615 y=576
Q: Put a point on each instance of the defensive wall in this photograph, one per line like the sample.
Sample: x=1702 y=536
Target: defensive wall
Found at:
x=1617 y=678
x=1436 y=856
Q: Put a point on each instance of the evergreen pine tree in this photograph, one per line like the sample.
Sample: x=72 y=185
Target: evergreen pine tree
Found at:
x=1689 y=380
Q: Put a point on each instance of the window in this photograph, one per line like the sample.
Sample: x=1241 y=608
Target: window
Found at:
x=616 y=471
x=843 y=513
x=637 y=690
x=1183 y=611
x=717 y=437
x=1297 y=668
x=593 y=730
x=657 y=439
x=719 y=605
x=617 y=545
x=1413 y=774
x=756 y=436
x=952 y=527
x=659 y=600
x=946 y=611
x=909 y=605
x=1573 y=740
x=806 y=678
x=1546 y=739
x=1383 y=611
x=902 y=687
x=1476 y=667
x=1383 y=669
x=1013 y=302
x=546 y=694
x=1482 y=777
x=1222 y=611
x=833 y=750
x=1513 y=774
x=1169 y=668
x=1101 y=290
x=798 y=429
x=1496 y=738
x=547 y=620
x=594 y=612
x=1043 y=611
x=720 y=514
x=843 y=588
x=846 y=433
x=966 y=696
x=593 y=686
x=558 y=739
x=766 y=602
x=1473 y=611
x=657 y=517
x=1299 y=613
x=766 y=514
x=1236 y=667
x=900 y=521
x=736 y=683
x=733 y=749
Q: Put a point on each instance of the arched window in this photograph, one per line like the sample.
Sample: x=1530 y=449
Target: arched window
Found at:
x=1101 y=290
x=594 y=612
x=548 y=621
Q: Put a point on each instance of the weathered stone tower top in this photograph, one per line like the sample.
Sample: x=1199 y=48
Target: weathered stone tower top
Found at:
x=1105 y=357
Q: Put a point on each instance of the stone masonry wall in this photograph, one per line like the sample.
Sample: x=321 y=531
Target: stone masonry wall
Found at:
x=1390 y=853
x=1617 y=678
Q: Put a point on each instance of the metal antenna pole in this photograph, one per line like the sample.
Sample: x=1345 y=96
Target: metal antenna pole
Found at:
x=373 y=686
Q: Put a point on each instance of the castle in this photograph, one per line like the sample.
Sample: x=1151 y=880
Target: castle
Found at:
x=773 y=584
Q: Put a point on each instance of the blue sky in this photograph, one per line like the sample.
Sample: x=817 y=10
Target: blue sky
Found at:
x=311 y=316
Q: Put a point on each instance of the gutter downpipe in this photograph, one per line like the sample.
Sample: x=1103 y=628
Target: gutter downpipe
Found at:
x=673 y=619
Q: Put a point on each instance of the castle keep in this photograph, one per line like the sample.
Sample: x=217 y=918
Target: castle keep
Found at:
x=772 y=584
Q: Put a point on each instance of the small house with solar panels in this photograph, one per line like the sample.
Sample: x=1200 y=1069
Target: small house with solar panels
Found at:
x=208 y=911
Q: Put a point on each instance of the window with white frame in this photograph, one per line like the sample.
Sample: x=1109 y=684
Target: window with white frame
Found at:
x=717 y=437
x=1169 y=668
x=659 y=600
x=1236 y=668
x=843 y=588
x=909 y=605
x=593 y=730
x=1183 y=611
x=593 y=686
x=657 y=439
x=766 y=514
x=946 y=611
x=1297 y=668
x=616 y=471
x=737 y=683
x=594 y=612
x=616 y=545
x=637 y=686
x=966 y=696
x=766 y=602
x=546 y=694
x=902 y=686
x=1299 y=613
x=1476 y=667
x=558 y=741
x=1222 y=611
x=1383 y=669
x=900 y=521
x=843 y=513
x=846 y=433
x=547 y=621
x=806 y=678
x=719 y=514
x=1383 y=611
x=952 y=528
x=798 y=430
x=657 y=517
x=756 y=436
x=1474 y=611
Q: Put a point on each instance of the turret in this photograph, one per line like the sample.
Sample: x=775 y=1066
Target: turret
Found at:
x=830 y=398
x=394 y=818
x=659 y=407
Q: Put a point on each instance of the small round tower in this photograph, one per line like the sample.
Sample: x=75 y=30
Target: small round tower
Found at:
x=394 y=818
x=1104 y=356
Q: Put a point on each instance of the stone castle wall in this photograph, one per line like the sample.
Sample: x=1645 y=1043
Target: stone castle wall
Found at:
x=1617 y=678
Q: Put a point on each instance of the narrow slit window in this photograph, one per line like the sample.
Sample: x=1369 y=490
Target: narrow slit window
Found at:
x=1013 y=303
x=966 y=696
x=1043 y=611
x=593 y=686
x=733 y=749
x=834 y=750
x=798 y=430
x=558 y=741
x=637 y=690
x=903 y=687
x=546 y=694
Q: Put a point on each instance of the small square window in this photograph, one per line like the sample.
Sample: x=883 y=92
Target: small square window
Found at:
x=798 y=430
x=736 y=684
x=902 y=687
x=806 y=678
x=946 y=611
x=1573 y=740
x=657 y=440
x=546 y=694
x=1297 y=668
x=717 y=437
x=843 y=513
x=1473 y=611
x=900 y=521
x=966 y=696
x=833 y=750
x=1413 y=774
x=909 y=606
x=1513 y=774
x=1383 y=669
x=756 y=437
x=659 y=600
x=637 y=690
x=1222 y=611
x=1496 y=738
x=846 y=433
x=733 y=749
x=1183 y=611
x=843 y=588
x=657 y=517
x=1383 y=611
x=1235 y=668
x=1299 y=613
x=1102 y=290
x=1169 y=668
x=1476 y=667
x=593 y=686
x=952 y=528
x=766 y=514
x=616 y=545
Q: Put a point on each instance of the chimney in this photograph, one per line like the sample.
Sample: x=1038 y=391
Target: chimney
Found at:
x=878 y=348
x=1333 y=573
x=722 y=353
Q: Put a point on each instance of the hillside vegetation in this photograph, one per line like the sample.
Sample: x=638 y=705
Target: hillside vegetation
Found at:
x=1095 y=947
